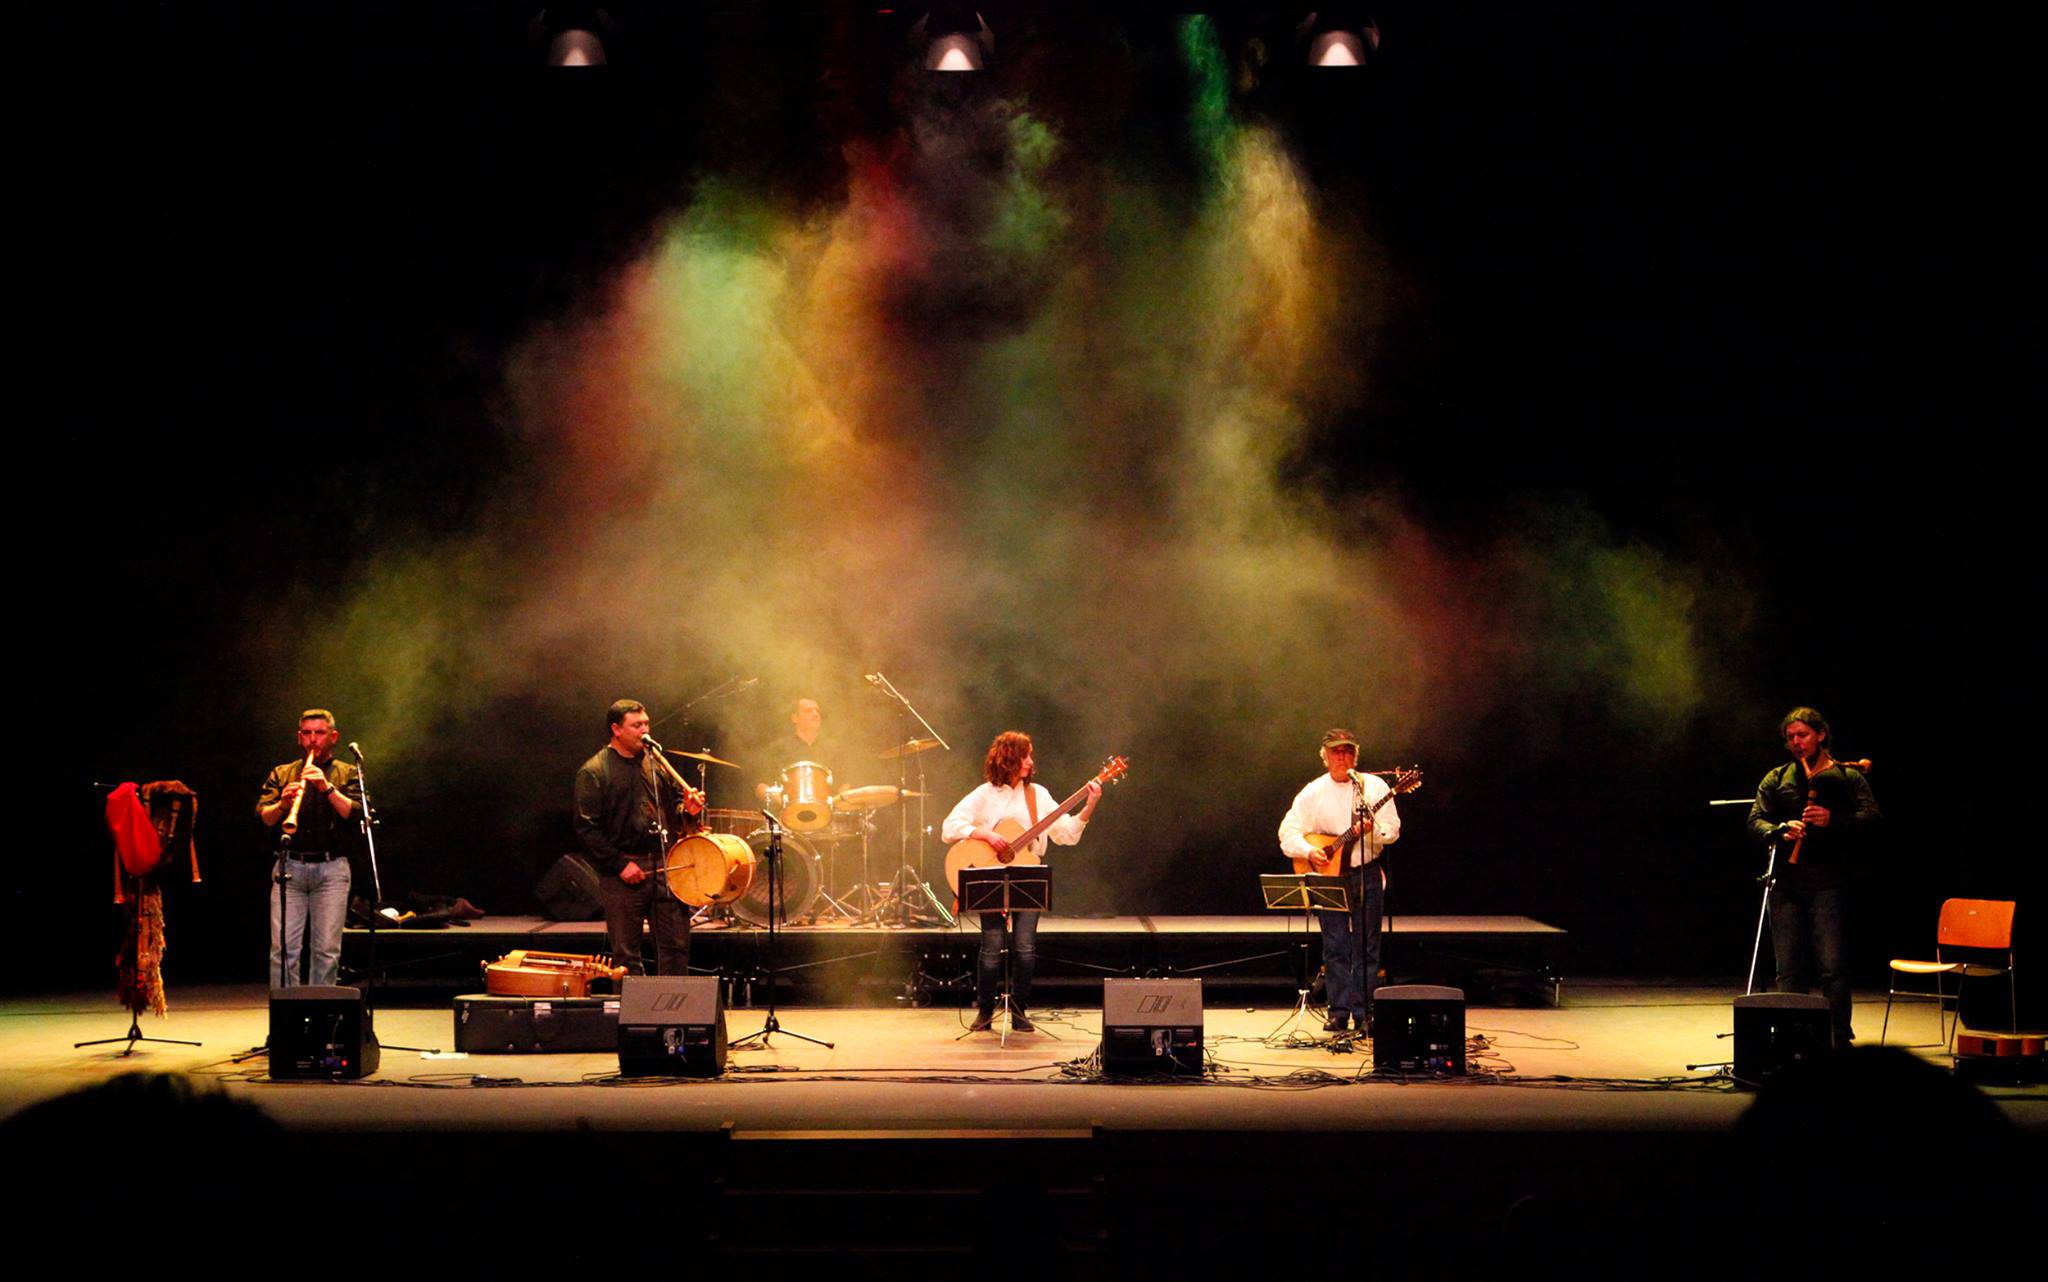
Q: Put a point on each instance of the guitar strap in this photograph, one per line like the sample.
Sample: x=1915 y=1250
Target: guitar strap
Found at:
x=1031 y=802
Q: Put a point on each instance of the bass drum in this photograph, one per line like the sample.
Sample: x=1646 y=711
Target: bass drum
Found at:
x=711 y=868
x=802 y=878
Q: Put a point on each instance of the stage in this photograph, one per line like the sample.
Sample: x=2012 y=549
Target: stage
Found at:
x=1570 y=1117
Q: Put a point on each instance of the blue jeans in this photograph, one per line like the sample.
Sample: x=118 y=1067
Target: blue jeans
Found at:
x=1351 y=945
x=988 y=971
x=1810 y=942
x=319 y=893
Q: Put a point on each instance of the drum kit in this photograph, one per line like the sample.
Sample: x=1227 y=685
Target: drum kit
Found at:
x=713 y=869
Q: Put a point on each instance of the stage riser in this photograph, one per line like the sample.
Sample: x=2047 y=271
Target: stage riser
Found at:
x=922 y=967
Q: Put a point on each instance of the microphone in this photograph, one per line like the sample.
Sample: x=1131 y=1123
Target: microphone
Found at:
x=873 y=678
x=748 y=684
x=356 y=748
x=648 y=741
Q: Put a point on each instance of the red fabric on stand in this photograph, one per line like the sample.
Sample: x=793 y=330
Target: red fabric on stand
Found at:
x=136 y=843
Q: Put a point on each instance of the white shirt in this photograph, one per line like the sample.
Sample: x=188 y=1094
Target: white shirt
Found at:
x=1325 y=806
x=988 y=805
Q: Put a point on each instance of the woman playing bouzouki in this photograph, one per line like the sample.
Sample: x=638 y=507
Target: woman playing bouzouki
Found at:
x=1011 y=800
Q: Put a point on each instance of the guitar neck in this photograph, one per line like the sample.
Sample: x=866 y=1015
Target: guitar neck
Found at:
x=1037 y=830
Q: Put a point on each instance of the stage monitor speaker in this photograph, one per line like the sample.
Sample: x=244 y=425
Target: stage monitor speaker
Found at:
x=568 y=891
x=320 y=1033
x=671 y=1026
x=1774 y=1031
x=1152 y=1026
x=1418 y=1028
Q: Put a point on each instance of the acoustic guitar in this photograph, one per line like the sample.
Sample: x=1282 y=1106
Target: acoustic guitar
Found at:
x=1335 y=861
x=971 y=853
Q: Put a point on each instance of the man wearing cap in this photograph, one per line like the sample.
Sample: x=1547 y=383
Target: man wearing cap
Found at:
x=1335 y=802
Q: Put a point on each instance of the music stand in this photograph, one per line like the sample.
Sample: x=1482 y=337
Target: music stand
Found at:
x=1005 y=889
x=1306 y=892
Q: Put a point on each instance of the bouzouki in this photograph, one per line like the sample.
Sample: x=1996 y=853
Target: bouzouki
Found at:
x=971 y=853
x=1336 y=847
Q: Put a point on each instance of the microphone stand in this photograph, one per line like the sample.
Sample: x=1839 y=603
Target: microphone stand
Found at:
x=772 y=1024
x=368 y=819
x=916 y=874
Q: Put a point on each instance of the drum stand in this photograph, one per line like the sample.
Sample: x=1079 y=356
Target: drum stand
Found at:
x=772 y=1024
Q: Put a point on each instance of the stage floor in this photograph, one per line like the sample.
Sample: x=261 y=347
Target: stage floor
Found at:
x=1580 y=1142
x=1615 y=1054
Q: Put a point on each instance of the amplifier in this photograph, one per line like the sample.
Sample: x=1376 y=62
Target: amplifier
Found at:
x=671 y=1026
x=321 y=1032
x=1418 y=1028
x=1774 y=1031
x=1151 y=1026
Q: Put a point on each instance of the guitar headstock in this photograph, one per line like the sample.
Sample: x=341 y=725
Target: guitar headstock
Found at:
x=1408 y=780
x=1113 y=769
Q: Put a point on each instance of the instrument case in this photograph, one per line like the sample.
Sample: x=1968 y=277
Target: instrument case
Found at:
x=488 y=1025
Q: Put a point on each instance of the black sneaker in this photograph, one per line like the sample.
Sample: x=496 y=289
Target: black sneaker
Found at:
x=1335 y=1023
x=1021 y=1023
x=982 y=1020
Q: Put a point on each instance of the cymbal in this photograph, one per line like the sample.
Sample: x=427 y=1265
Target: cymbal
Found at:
x=911 y=749
x=872 y=797
x=705 y=757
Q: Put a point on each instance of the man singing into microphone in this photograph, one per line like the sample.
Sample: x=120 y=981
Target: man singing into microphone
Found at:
x=311 y=875
x=619 y=794
x=1329 y=804
x=1822 y=808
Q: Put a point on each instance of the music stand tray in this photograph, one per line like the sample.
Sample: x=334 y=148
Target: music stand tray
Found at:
x=1302 y=893
x=1006 y=888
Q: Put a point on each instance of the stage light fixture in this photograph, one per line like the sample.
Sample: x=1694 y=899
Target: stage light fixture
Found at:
x=955 y=37
x=1339 y=37
x=573 y=35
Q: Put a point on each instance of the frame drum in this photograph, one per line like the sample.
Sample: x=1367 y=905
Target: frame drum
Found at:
x=802 y=878
x=807 y=797
x=711 y=868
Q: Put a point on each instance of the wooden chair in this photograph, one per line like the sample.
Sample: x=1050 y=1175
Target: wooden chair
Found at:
x=1981 y=925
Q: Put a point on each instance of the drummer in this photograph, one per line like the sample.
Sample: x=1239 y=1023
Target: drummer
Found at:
x=805 y=742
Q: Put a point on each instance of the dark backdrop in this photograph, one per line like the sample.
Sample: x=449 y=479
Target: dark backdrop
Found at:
x=1695 y=273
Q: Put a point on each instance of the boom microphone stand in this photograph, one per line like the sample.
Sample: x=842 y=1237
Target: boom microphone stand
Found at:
x=907 y=875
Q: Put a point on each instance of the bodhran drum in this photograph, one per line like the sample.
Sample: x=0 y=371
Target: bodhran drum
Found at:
x=711 y=868
x=802 y=878
x=806 y=797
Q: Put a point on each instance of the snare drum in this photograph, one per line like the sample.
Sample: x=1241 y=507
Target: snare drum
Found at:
x=710 y=868
x=806 y=797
